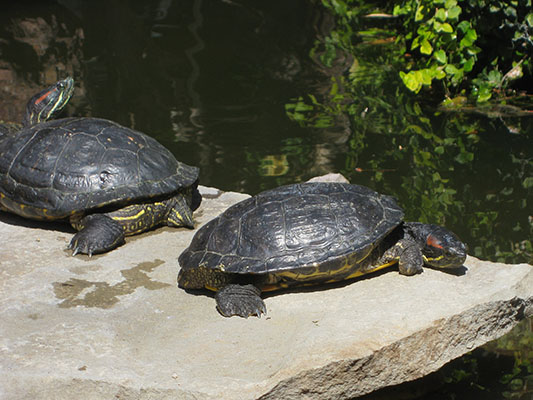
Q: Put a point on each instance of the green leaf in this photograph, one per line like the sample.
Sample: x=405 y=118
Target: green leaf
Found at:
x=425 y=47
x=440 y=56
x=455 y=73
x=469 y=38
x=416 y=43
x=427 y=76
x=419 y=16
x=445 y=27
x=451 y=69
x=510 y=12
x=529 y=19
x=439 y=73
x=469 y=64
x=398 y=10
x=528 y=182
x=463 y=26
x=464 y=157
x=494 y=77
x=412 y=80
x=454 y=12
x=450 y=3
x=441 y=14
x=484 y=93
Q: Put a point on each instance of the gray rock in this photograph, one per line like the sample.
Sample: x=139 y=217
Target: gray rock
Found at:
x=209 y=192
x=331 y=177
x=117 y=326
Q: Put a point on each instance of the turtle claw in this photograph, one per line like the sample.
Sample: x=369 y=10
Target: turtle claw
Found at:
x=98 y=235
x=79 y=245
x=241 y=300
x=74 y=251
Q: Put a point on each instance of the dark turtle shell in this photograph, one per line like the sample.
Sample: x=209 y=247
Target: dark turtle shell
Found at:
x=57 y=168
x=305 y=229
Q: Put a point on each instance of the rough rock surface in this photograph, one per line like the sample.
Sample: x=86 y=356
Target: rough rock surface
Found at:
x=117 y=326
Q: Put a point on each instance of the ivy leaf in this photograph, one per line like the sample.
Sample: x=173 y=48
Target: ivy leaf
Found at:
x=419 y=16
x=412 y=80
x=529 y=19
x=450 y=3
x=469 y=38
x=440 y=56
x=445 y=27
x=468 y=65
x=463 y=26
x=454 y=12
x=464 y=157
x=439 y=73
x=494 y=77
x=484 y=93
x=425 y=47
x=451 y=69
x=426 y=76
x=416 y=43
x=441 y=14
x=510 y=12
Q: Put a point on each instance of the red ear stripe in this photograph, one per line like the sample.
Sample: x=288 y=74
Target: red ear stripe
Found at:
x=44 y=96
x=432 y=241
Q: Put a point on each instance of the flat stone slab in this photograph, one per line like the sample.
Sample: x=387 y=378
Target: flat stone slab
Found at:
x=117 y=326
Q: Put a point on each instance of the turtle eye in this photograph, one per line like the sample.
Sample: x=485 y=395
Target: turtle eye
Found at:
x=433 y=242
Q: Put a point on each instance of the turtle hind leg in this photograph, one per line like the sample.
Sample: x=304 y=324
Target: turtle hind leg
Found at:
x=241 y=300
x=97 y=233
x=180 y=213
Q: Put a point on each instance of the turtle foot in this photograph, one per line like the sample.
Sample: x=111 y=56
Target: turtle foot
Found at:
x=98 y=234
x=241 y=300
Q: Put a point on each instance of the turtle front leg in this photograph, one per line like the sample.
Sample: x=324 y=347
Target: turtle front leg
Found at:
x=241 y=300
x=97 y=233
x=408 y=255
x=411 y=260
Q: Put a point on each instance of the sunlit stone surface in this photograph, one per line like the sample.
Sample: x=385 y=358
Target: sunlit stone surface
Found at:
x=117 y=325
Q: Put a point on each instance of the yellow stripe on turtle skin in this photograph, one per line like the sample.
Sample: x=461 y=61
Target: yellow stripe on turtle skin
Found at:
x=433 y=258
x=137 y=218
x=277 y=286
x=179 y=221
x=128 y=217
x=58 y=102
x=368 y=271
x=297 y=277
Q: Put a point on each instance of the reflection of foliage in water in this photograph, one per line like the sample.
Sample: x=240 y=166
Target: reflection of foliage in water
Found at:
x=471 y=171
x=519 y=345
x=511 y=358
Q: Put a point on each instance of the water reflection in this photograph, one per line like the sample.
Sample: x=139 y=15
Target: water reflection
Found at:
x=231 y=87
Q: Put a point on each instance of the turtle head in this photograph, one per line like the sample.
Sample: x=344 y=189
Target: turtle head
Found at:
x=441 y=248
x=49 y=102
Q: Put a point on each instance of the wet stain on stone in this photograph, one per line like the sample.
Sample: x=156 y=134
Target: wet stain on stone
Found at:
x=82 y=270
x=78 y=292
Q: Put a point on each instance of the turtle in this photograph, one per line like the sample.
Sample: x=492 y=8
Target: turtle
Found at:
x=308 y=234
x=107 y=180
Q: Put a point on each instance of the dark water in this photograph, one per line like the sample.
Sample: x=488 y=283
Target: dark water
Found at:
x=229 y=86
